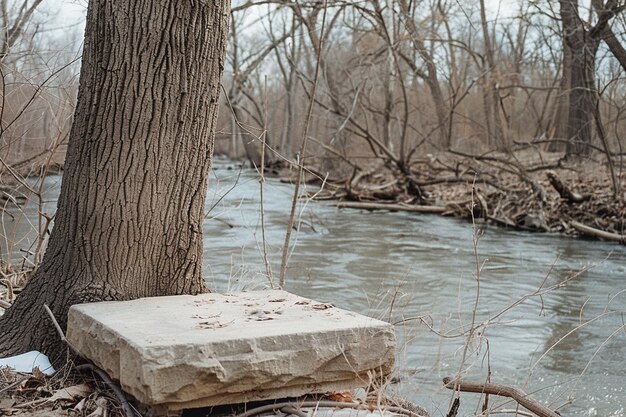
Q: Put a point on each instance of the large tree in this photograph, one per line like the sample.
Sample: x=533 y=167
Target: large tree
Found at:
x=130 y=213
x=582 y=41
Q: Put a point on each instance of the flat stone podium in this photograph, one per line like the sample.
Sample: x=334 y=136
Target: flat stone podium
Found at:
x=194 y=351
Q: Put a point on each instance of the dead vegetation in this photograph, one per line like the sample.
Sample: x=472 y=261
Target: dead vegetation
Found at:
x=67 y=393
x=532 y=191
x=71 y=393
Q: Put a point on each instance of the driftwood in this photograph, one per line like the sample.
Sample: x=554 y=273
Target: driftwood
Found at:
x=391 y=207
x=591 y=231
x=564 y=190
x=504 y=391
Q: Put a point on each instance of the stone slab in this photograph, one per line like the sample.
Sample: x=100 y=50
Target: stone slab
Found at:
x=194 y=351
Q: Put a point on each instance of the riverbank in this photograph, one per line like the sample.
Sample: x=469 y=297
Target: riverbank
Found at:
x=423 y=266
x=541 y=192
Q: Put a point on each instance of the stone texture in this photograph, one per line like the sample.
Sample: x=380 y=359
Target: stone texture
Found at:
x=191 y=351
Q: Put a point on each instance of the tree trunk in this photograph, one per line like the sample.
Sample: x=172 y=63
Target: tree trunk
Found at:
x=430 y=77
x=583 y=47
x=491 y=97
x=581 y=100
x=130 y=213
x=558 y=127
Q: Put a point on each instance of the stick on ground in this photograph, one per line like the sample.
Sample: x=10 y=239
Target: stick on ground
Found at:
x=504 y=391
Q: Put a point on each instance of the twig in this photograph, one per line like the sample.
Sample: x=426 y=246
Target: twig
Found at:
x=59 y=330
x=305 y=134
x=504 y=391
x=516 y=412
x=454 y=409
x=268 y=267
x=292 y=410
x=15 y=384
x=325 y=403
x=128 y=409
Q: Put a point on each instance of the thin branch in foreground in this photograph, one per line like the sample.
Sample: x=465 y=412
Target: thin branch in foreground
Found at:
x=326 y=403
x=128 y=410
x=503 y=391
x=305 y=134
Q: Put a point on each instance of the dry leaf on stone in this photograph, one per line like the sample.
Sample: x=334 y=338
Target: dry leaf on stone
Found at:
x=303 y=302
x=211 y=325
x=277 y=300
x=322 y=306
x=199 y=303
x=211 y=316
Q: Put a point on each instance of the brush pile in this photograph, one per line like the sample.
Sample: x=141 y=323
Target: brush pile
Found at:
x=545 y=192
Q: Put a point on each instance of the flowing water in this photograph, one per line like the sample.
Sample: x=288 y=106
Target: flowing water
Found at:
x=565 y=346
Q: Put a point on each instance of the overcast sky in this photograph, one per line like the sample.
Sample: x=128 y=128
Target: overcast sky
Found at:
x=72 y=12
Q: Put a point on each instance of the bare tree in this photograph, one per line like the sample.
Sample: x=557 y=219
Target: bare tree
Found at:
x=583 y=46
x=129 y=221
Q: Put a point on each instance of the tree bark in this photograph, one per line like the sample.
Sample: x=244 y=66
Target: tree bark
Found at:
x=558 y=128
x=583 y=44
x=130 y=213
x=491 y=97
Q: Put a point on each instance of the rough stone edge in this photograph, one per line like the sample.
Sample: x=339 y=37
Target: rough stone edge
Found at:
x=287 y=392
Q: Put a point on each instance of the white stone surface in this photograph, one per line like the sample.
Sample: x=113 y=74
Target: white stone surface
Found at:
x=191 y=351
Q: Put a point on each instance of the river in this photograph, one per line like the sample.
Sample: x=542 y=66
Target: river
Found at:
x=565 y=346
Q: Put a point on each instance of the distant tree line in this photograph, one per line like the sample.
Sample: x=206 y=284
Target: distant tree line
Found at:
x=404 y=78
x=400 y=79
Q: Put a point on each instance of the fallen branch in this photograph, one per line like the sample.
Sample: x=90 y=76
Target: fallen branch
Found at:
x=289 y=410
x=591 y=231
x=564 y=191
x=504 y=391
x=326 y=404
x=391 y=207
x=512 y=166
